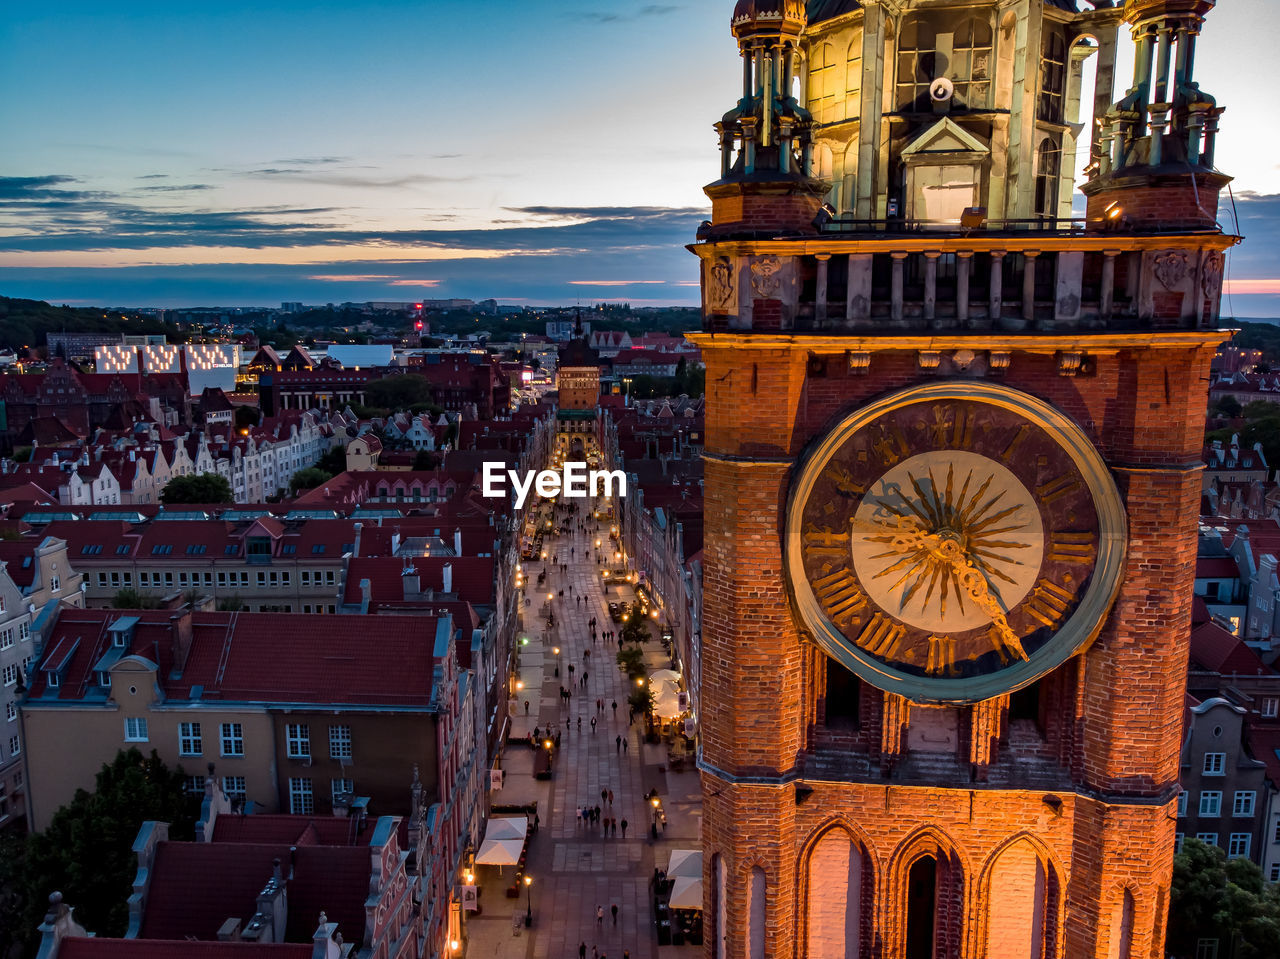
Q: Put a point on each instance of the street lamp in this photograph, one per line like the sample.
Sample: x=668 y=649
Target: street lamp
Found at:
x=556 y=650
x=528 y=885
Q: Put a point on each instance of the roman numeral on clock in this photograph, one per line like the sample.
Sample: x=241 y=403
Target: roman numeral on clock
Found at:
x=1048 y=602
x=1057 y=488
x=1065 y=547
x=840 y=596
x=825 y=541
x=882 y=636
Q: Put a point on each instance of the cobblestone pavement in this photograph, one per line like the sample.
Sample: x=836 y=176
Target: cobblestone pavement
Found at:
x=574 y=867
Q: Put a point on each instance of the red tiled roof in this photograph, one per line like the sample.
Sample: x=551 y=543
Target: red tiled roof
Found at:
x=1217 y=650
x=1217 y=567
x=195 y=887
x=293 y=830
x=96 y=948
x=1264 y=744
x=472 y=577
x=268 y=657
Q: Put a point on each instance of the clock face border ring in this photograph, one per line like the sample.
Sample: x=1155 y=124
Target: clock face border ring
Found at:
x=1076 y=634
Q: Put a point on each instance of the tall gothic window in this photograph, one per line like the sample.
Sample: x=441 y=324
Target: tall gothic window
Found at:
x=853 y=77
x=917 y=61
x=823 y=77
x=1053 y=76
x=970 y=67
x=1048 y=158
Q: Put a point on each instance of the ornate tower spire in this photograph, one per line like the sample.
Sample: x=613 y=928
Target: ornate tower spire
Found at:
x=766 y=150
x=1162 y=132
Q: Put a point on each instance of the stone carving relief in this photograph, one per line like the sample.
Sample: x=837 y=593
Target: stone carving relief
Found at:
x=720 y=291
x=764 y=277
x=1171 y=268
x=1211 y=275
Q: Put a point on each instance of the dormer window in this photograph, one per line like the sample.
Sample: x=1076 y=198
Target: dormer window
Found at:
x=104 y=679
x=54 y=681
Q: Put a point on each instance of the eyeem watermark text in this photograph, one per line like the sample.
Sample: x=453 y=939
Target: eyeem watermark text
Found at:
x=575 y=481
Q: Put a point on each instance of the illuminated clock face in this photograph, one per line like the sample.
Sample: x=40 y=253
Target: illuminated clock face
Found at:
x=955 y=541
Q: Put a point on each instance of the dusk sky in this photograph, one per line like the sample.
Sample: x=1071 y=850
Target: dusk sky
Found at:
x=542 y=151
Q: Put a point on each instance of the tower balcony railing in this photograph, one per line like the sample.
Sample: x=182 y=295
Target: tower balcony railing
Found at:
x=1060 y=280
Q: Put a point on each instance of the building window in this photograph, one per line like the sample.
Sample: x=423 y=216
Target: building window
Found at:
x=1238 y=845
x=1270 y=707
x=1178 y=838
x=341 y=788
x=10 y=674
x=1207 y=949
x=1182 y=803
x=339 y=742
x=24 y=632
x=189 y=739
x=1211 y=802
x=234 y=787
x=232 y=739
x=1274 y=874
x=1209 y=838
x=1053 y=76
x=298 y=736
x=301 y=800
x=10 y=711
x=135 y=730
x=1215 y=764
x=15 y=746
x=1243 y=804
x=6 y=638
x=195 y=785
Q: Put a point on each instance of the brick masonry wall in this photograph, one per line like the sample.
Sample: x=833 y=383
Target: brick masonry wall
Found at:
x=1120 y=710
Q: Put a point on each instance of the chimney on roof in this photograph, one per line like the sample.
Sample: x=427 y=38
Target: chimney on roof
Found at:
x=457 y=542
x=59 y=924
x=446 y=575
x=366 y=595
x=271 y=920
x=411 y=583
x=180 y=637
x=355 y=549
x=229 y=931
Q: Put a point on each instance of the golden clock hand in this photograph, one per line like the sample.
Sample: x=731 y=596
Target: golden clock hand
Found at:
x=976 y=585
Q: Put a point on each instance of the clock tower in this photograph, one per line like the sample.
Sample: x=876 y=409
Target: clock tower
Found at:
x=952 y=477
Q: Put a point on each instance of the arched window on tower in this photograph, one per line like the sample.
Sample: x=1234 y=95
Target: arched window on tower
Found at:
x=1053 y=76
x=853 y=77
x=970 y=67
x=759 y=905
x=822 y=82
x=917 y=61
x=1048 y=157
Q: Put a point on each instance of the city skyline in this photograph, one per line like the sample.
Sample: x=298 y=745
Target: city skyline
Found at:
x=348 y=152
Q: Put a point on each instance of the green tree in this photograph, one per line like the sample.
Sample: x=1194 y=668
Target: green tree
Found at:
x=230 y=604
x=86 y=853
x=1225 y=899
x=334 y=461
x=22 y=454
x=424 y=461
x=1226 y=406
x=308 y=478
x=636 y=628
x=631 y=661
x=641 y=700
x=200 y=489
x=129 y=598
x=247 y=417
x=398 y=392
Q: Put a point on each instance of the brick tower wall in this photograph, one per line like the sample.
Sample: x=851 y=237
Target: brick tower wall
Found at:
x=1143 y=408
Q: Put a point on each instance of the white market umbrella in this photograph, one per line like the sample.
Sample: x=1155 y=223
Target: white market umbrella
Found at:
x=666 y=700
x=685 y=862
x=500 y=852
x=686 y=893
x=665 y=675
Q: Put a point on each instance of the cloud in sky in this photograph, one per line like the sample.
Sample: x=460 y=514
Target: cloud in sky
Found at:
x=648 y=10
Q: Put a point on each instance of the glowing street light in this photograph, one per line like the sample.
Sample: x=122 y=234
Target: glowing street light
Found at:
x=528 y=913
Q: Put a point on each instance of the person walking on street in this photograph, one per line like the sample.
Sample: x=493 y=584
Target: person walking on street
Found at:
x=613 y=827
x=624 y=829
x=579 y=724
x=593 y=724
x=615 y=709
x=610 y=797
x=604 y=795
x=618 y=744
x=626 y=744
x=582 y=950
x=600 y=917
x=614 y=909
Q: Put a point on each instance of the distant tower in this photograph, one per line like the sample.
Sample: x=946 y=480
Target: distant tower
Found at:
x=952 y=478
x=578 y=382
